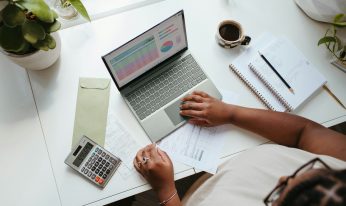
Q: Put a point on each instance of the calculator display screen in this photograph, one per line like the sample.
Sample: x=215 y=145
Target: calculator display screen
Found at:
x=85 y=151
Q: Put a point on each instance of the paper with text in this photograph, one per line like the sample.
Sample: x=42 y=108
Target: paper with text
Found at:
x=196 y=146
x=120 y=143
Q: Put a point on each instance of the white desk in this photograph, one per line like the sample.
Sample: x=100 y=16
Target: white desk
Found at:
x=26 y=172
x=55 y=89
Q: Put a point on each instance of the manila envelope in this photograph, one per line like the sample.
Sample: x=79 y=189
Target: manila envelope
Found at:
x=91 y=110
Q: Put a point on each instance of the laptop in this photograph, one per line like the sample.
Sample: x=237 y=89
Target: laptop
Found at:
x=154 y=71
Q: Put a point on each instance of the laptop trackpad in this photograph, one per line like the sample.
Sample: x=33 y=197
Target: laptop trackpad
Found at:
x=173 y=113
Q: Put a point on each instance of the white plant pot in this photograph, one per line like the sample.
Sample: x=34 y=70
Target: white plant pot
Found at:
x=40 y=59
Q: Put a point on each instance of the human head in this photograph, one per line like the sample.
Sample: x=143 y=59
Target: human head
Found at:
x=320 y=187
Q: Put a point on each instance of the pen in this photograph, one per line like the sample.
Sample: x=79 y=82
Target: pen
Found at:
x=276 y=72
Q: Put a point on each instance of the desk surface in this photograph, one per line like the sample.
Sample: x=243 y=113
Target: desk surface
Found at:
x=55 y=89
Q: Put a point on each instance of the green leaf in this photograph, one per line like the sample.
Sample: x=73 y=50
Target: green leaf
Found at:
x=338 y=42
x=33 y=31
x=339 y=24
x=77 y=4
x=46 y=44
x=13 y=16
x=326 y=39
x=338 y=18
x=11 y=39
x=39 y=8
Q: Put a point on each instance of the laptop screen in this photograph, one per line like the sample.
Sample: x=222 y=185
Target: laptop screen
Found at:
x=147 y=50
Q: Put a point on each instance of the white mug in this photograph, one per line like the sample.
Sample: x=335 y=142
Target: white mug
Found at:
x=230 y=34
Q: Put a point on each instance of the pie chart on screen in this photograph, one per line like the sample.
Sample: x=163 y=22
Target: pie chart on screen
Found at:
x=166 y=46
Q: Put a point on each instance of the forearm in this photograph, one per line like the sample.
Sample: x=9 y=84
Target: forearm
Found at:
x=282 y=128
x=290 y=130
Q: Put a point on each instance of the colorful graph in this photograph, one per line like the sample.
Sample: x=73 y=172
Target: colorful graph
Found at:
x=166 y=46
x=135 y=58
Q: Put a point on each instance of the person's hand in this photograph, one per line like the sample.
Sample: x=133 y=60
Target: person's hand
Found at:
x=205 y=110
x=157 y=170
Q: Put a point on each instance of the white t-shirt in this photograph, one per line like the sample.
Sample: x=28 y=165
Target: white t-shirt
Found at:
x=247 y=178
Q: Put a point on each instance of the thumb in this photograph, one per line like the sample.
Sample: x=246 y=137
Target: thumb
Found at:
x=163 y=155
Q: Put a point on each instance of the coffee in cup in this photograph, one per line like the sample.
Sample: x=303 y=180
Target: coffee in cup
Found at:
x=230 y=34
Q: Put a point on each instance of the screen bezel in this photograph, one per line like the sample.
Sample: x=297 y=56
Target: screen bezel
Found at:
x=155 y=67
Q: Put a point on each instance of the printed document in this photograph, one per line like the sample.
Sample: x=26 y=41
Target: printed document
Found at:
x=196 y=146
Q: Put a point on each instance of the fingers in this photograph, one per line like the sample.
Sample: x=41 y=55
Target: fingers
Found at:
x=164 y=156
x=192 y=105
x=150 y=152
x=194 y=98
x=193 y=113
x=200 y=93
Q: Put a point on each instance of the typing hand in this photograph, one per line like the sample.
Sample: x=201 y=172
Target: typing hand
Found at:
x=157 y=170
x=205 y=110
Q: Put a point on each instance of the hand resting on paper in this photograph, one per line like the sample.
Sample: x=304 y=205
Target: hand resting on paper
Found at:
x=157 y=168
x=205 y=110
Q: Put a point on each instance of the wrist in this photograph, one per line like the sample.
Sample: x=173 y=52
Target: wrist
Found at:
x=166 y=192
x=230 y=113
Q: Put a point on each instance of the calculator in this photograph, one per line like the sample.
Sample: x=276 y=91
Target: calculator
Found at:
x=93 y=162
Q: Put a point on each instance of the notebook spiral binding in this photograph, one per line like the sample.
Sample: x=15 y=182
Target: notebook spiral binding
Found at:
x=271 y=88
x=251 y=87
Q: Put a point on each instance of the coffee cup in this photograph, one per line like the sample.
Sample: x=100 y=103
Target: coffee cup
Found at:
x=230 y=34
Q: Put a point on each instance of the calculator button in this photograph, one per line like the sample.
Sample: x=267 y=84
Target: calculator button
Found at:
x=93 y=155
x=89 y=174
x=97 y=164
x=101 y=173
x=103 y=169
x=97 y=171
x=110 y=166
x=103 y=162
x=86 y=171
x=107 y=156
x=97 y=149
x=89 y=166
x=97 y=178
x=96 y=156
x=93 y=176
x=100 y=166
x=101 y=181
x=112 y=160
x=107 y=164
x=93 y=168
x=83 y=169
x=103 y=154
x=104 y=176
x=99 y=160
x=99 y=152
x=108 y=171
x=92 y=162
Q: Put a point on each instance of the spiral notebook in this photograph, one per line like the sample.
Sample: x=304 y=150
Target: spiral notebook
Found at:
x=291 y=64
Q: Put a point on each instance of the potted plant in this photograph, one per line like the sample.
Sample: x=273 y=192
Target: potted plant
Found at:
x=333 y=43
x=28 y=32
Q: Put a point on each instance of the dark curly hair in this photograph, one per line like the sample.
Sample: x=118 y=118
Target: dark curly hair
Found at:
x=327 y=189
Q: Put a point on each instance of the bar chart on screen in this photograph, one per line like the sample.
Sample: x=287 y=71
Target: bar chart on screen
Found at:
x=135 y=58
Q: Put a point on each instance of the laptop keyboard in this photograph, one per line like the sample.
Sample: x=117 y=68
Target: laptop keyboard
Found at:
x=159 y=91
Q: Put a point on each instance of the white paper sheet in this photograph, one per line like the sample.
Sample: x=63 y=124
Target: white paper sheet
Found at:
x=120 y=143
x=198 y=147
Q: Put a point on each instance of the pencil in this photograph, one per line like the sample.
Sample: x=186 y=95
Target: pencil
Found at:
x=276 y=72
